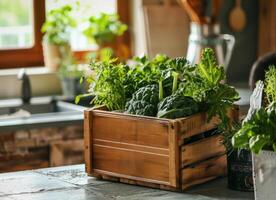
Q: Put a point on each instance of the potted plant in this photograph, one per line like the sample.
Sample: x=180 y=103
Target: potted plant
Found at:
x=70 y=74
x=103 y=30
x=56 y=39
x=239 y=162
x=258 y=134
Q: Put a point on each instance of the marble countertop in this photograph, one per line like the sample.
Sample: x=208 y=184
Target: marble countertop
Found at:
x=71 y=183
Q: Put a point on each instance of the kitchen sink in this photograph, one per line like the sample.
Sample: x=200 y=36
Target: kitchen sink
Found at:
x=15 y=108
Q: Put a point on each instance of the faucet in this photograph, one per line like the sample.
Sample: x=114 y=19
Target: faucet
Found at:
x=26 y=91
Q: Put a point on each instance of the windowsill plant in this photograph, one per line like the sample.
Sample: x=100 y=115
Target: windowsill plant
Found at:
x=56 y=39
x=103 y=30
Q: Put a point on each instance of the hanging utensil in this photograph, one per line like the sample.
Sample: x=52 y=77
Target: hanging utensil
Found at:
x=195 y=10
x=237 y=17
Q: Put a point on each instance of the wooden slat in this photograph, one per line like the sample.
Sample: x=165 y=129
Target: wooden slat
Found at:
x=125 y=162
x=133 y=147
x=267 y=26
x=88 y=141
x=202 y=150
x=196 y=124
x=128 y=129
x=204 y=171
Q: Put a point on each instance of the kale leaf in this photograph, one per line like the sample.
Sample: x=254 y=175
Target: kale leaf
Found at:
x=176 y=106
x=144 y=101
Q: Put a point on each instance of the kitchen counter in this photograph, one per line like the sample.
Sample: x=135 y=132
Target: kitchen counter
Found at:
x=71 y=183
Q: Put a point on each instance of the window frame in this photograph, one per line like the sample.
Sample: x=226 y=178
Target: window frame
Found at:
x=30 y=57
x=27 y=57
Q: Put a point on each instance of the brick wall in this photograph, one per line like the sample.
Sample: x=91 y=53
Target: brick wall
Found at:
x=38 y=148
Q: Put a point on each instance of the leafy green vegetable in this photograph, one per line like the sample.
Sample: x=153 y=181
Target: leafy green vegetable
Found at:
x=259 y=132
x=228 y=134
x=57 y=25
x=108 y=84
x=176 y=106
x=270 y=84
x=204 y=84
x=144 y=101
x=104 y=28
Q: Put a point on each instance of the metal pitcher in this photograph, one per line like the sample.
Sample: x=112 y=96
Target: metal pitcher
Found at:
x=208 y=35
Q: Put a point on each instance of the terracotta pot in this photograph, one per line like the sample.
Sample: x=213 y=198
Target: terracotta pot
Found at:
x=53 y=55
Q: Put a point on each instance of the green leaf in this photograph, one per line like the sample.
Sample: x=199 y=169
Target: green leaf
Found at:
x=256 y=143
x=274 y=146
x=240 y=139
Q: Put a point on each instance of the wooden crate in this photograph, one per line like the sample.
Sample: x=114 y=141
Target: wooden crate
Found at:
x=148 y=151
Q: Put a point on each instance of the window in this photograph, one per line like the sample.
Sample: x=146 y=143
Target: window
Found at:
x=85 y=9
x=20 y=35
x=21 y=22
x=16 y=24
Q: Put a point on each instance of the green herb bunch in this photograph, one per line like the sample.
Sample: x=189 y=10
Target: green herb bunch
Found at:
x=104 y=28
x=57 y=25
x=259 y=132
x=204 y=83
x=182 y=89
x=270 y=84
x=107 y=84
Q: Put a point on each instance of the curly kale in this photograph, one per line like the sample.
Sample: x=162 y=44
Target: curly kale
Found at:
x=144 y=101
x=176 y=106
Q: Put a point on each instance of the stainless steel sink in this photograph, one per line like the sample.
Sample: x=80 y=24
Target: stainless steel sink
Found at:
x=37 y=106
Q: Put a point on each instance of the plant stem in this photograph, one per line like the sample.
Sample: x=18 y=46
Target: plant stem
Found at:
x=161 y=90
x=175 y=79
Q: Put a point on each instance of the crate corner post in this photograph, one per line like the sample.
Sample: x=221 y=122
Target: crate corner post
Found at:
x=174 y=156
x=88 y=141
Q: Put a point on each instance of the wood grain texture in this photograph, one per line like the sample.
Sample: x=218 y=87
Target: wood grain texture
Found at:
x=88 y=141
x=267 y=26
x=126 y=129
x=206 y=170
x=150 y=151
x=202 y=150
x=27 y=57
x=174 y=155
x=196 y=124
x=130 y=146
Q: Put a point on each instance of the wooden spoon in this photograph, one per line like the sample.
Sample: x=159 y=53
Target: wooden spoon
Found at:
x=216 y=5
x=195 y=10
x=237 y=18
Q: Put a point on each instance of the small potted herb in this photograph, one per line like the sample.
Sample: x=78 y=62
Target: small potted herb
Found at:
x=103 y=29
x=239 y=162
x=258 y=134
x=56 y=39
